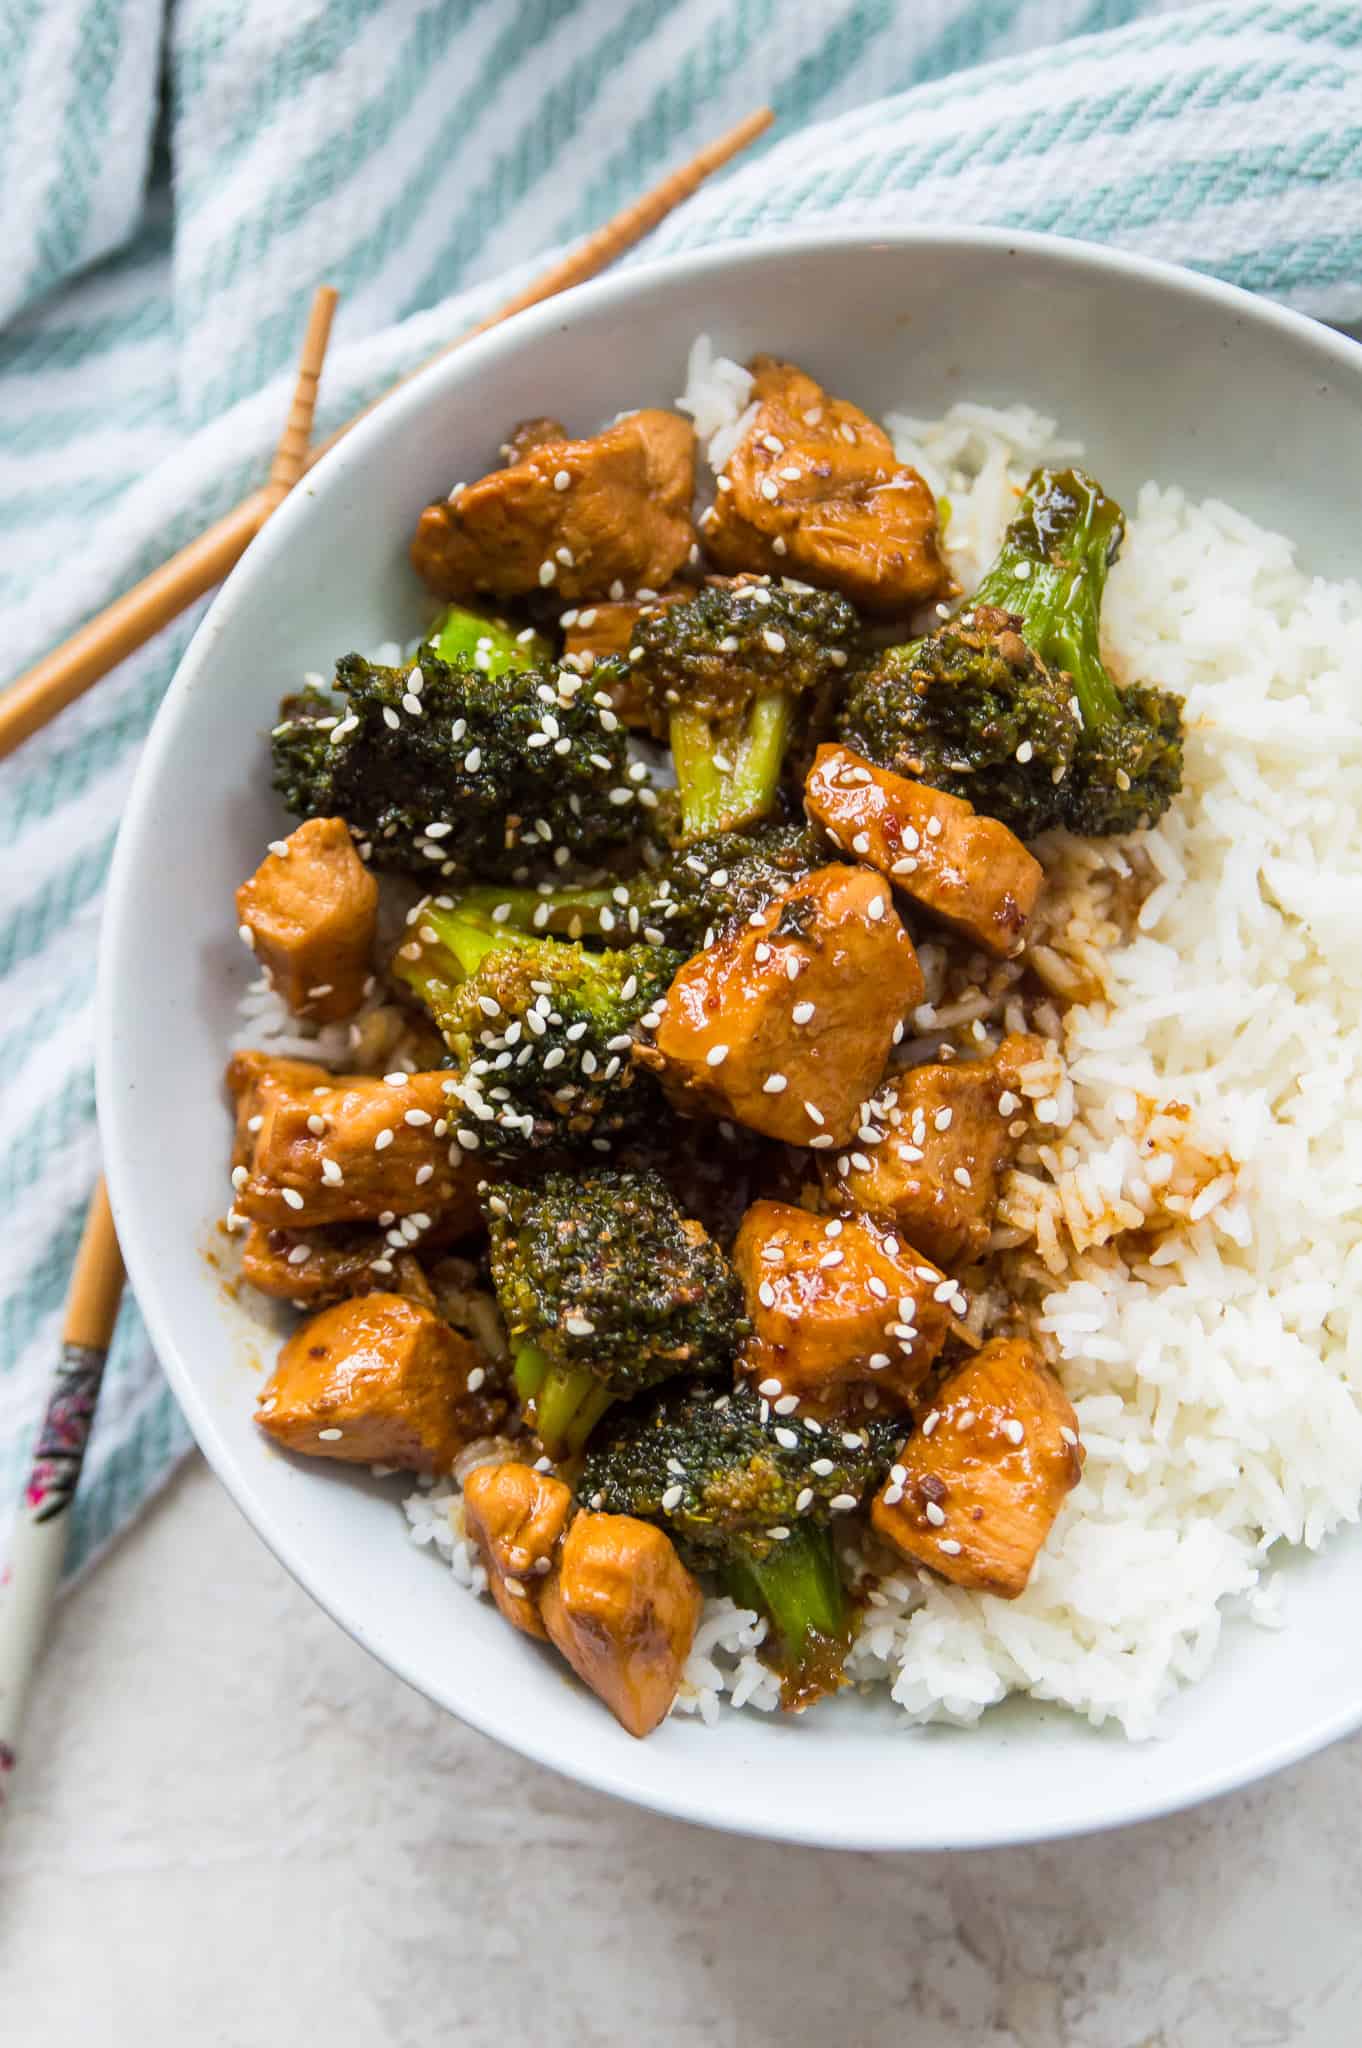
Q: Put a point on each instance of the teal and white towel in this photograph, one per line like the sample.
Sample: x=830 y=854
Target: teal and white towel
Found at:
x=173 y=183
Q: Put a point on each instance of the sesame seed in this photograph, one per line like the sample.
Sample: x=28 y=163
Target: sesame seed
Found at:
x=935 y=1515
x=831 y=1259
x=823 y=1468
x=802 y=1013
x=716 y=1055
x=770 y=1388
x=1025 y=751
x=1013 y=1431
x=950 y=1546
x=768 y=490
x=771 y=640
x=561 y=480
x=874 y=910
x=292 y=1197
x=382 y=1141
x=786 y=1405
x=961 y=1177
x=842 y=1503
x=877 y=1287
x=246 y=936
x=774 y=1084
x=331 y=1173
x=878 y=1360
x=472 y=760
x=547 y=572
x=815 y=1116
x=329 y=1436
x=766 y=1294
x=673 y=1498
x=1067 y=1435
x=788 y=1439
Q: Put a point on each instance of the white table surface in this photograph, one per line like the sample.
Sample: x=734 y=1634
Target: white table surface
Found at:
x=235 y=1829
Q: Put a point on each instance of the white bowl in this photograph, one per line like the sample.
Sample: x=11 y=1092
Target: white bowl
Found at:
x=1163 y=374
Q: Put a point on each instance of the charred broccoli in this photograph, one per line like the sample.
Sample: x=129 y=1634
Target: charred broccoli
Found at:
x=960 y=707
x=722 y=676
x=440 y=767
x=540 y=1030
x=1009 y=705
x=492 y=645
x=607 y=1289
x=749 y=1495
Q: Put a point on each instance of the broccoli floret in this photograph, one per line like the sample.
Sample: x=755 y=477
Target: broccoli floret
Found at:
x=724 y=674
x=749 y=1495
x=607 y=1289
x=492 y=645
x=1009 y=704
x=957 y=708
x=710 y=887
x=540 y=1029
x=696 y=895
x=1052 y=572
x=440 y=768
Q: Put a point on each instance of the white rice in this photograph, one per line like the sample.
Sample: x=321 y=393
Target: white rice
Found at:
x=1217 y=1382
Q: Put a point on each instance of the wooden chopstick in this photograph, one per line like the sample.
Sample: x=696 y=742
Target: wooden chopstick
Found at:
x=130 y=621
x=29 y=1586
x=290 y=457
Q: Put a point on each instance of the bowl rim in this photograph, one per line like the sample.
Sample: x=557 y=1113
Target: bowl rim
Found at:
x=140 y=1249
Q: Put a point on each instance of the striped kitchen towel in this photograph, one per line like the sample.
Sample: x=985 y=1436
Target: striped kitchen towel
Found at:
x=422 y=154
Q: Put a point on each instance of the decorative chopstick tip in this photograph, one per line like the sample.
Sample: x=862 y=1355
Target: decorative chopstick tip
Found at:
x=290 y=457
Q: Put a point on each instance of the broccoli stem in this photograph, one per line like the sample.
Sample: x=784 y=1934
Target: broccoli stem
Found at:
x=728 y=772
x=530 y=1370
x=566 y=1401
x=567 y=1408
x=567 y=913
x=1052 y=571
x=459 y=635
x=797 y=1585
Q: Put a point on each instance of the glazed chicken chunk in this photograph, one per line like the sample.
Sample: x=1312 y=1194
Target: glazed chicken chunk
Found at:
x=599 y=518
x=814 y=490
x=310 y=908
x=622 y=1608
x=516 y=1516
x=346 y=1149
x=311 y=1267
x=836 y=1304
x=379 y=1381
x=786 y=1026
x=965 y=869
x=950 y=1135
x=976 y=1488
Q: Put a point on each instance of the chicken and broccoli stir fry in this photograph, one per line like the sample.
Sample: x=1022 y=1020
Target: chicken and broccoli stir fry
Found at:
x=651 y=1222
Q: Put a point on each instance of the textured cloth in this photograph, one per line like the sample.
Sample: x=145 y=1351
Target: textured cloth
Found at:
x=424 y=155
